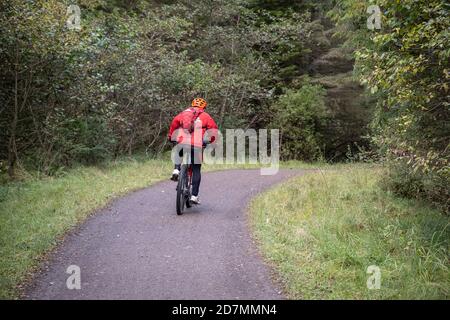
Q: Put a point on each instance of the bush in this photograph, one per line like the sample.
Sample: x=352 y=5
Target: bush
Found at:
x=431 y=186
x=86 y=140
x=300 y=116
x=71 y=140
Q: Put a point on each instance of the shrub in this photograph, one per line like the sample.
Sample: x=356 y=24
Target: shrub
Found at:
x=300 y=115
x=432 y=186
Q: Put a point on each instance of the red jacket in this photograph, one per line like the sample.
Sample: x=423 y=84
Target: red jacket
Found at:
x=203 y=123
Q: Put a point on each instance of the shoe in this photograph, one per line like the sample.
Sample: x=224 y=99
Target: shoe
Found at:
x=175 y=175
x=195 y=200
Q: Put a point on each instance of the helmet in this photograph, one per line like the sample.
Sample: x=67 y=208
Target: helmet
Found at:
x=199 y=103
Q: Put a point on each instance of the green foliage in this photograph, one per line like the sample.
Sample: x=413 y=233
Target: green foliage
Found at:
x=112 y=87
x=287 y=7
x=300 y=115
x=430 y=185
x=406 y=66
x=86 y=140
x=135 y=64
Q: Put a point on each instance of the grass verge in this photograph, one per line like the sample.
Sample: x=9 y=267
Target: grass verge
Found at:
x=323 y=230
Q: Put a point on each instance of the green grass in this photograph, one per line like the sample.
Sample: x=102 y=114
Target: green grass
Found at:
x=321 y=232
x=37 y=212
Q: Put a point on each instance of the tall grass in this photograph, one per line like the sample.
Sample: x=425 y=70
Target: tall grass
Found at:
x=323 y=230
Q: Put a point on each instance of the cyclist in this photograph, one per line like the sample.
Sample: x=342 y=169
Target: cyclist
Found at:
x=188 y=128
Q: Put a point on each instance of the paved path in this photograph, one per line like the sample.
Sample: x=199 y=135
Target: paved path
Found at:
x=138 y=248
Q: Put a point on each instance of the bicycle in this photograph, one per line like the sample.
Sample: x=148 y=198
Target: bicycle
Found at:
x=184 y=186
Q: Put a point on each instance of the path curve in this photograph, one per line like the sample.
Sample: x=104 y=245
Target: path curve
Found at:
x=138 y=248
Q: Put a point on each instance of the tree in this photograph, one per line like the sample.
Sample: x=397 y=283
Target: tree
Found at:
x=406 y=66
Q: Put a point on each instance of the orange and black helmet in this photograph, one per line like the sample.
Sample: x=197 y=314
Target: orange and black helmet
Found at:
x=199 y=103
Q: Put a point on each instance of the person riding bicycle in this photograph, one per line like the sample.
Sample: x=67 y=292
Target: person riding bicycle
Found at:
x=188 y=128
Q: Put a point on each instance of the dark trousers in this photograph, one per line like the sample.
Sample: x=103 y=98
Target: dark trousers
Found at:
x=196 y=154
